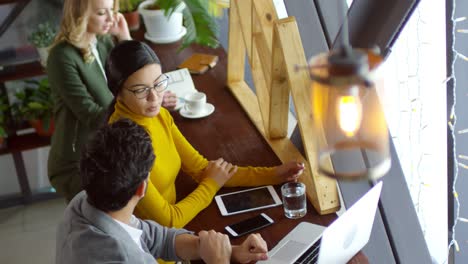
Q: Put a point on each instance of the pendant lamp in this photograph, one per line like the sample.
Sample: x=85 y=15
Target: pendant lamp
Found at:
x=347 y=113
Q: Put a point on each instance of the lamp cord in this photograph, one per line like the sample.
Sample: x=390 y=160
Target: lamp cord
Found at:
x=345 y=45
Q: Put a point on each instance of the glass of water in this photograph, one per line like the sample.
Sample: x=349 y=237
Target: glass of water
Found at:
x=294 y=199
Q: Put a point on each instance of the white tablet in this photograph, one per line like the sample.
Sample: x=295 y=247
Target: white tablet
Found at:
x=247 y=200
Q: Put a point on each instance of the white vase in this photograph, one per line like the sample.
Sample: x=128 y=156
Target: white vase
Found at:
x=43 y=54
x=159 y=26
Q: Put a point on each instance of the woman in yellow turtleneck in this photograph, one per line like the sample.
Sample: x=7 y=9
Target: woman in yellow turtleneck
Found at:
x=134 y=77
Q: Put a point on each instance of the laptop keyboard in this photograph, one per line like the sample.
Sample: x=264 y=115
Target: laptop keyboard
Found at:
x=311 y=254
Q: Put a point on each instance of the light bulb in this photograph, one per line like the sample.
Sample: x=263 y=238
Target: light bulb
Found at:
x=349 y=114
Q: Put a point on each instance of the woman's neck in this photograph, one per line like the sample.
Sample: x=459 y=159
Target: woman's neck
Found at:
x=90 y=37
x=122 y=108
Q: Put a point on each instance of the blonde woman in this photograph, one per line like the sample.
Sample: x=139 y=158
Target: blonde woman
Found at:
x=75 y=69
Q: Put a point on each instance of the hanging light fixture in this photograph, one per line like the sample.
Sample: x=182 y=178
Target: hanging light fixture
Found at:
x=347 y=112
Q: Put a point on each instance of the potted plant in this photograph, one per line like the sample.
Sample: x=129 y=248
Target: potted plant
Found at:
x=129 y=10
x=35 y=105
x=162 y=28
x=42 y=37
x=198 y=18
x=3 y=110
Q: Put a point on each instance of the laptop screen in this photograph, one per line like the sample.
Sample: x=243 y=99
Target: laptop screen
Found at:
x=339 y=242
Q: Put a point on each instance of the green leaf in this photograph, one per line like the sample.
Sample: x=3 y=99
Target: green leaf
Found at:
x=2 y=132
x=169 y=6
x=127 y=6
x=46 y=123
x=35 y=102
x=202 y=27
x=43 y=35
x=36 y=106
x=21 y=95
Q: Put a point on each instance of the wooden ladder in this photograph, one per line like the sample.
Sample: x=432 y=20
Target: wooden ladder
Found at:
x=274 y=48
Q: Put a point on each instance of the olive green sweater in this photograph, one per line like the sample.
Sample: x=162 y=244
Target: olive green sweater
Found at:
x=81 y=99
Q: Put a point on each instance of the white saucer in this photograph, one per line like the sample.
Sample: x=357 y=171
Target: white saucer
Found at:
x=170 y=39
x=209 y=109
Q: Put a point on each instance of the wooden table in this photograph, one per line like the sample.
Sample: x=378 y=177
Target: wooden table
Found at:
x=230 y=134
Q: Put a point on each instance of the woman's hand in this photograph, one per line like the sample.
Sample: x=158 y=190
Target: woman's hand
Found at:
x=169 y=100
x=120 y=28
x=289 y=171
x=220 y=171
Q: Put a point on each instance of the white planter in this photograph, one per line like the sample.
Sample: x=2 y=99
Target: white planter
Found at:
x=43 y=54
x=159 y=26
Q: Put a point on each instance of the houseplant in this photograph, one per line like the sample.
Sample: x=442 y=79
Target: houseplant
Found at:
x=42 y=37
x=129 y=10
x=35 y=105
x=198 y=18
x=159 y=27
x=3 y=110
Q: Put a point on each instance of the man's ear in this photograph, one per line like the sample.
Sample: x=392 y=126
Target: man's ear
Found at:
x=141 y=190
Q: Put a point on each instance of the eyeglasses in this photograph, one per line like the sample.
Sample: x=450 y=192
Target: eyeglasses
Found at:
x=159 y=86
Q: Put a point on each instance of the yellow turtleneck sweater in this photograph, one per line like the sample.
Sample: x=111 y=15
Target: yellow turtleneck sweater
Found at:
x=173 y=152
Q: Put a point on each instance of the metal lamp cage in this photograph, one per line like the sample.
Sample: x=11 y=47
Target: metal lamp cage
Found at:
x=354 y=133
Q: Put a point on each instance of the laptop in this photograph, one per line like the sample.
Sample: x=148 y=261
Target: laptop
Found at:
x=336 y=244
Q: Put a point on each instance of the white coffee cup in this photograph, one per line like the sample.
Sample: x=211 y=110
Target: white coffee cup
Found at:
x=195 y=103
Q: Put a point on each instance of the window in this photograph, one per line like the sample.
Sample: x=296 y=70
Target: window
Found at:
x=414 y=99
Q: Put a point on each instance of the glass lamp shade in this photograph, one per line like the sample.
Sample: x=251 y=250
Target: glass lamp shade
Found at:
x=351 y=131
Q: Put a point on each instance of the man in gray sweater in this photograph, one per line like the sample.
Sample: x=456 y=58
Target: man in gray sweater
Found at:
x=99 y=225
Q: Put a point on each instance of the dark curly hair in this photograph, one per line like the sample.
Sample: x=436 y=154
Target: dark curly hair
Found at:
x=114 y=163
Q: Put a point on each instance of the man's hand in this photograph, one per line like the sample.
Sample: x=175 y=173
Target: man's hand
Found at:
x=169 y=100
x=215 y=247
x=253 y=249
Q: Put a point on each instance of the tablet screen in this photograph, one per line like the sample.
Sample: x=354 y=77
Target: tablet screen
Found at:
x=246 y=200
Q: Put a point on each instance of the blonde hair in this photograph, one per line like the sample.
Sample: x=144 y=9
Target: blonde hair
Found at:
x=73 y=27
